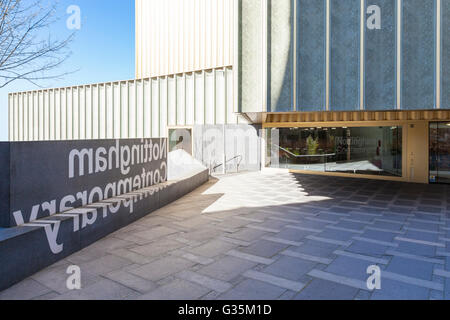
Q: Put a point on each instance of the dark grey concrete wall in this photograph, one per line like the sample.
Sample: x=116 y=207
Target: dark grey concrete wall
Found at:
x=242 y=144
x=4 y=184
x=26 y=250
x=39 y=173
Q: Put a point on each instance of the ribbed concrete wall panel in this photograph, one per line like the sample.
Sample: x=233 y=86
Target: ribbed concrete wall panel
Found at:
x=141 y=108
x=175 y=36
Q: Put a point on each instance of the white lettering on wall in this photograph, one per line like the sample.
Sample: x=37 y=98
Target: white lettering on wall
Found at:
x=113 y=195
x=81 y=157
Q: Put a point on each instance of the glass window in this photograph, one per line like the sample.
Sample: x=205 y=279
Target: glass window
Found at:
x=180 y=139
x=362 y=150
x=440 y=152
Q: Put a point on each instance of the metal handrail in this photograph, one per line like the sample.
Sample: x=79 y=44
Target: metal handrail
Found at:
x=239 y=163
x=304 y=156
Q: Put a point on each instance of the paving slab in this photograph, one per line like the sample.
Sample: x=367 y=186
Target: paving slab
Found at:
x=162 y=268
x=227 y=268
x=319 y=289
x=25 y=290
x=266 y=235
x=253 y=290
x=178 y=289
x=290 y=268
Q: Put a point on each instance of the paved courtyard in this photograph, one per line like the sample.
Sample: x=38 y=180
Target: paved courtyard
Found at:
x=270 y=235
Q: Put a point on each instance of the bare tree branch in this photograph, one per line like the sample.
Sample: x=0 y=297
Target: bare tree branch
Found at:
x=24 y=53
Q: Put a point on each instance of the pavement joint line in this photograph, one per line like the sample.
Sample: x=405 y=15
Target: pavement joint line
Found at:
x=289 y=207
x=398 y=214
x=205 y=216
x=344 y=229
x=354 y=283
x=379 y=209
x=391 y=221
x=441 y=273
x=361 y=257
x=336 y=214
x=283 y=241
x=442 y=223
x=330 y=241
x=304 y=229
x=284 y=219
x=236 y=241
x=303 y=214
x=424 y=230
x=413 y=281
x=366 y=214
x=426 y=243
x=442 y=253
x=225 y=229
x=205 y=281
x=248 y=219
x=322 y=220
x=374 y=241
x=356 y=221
x=250 y=257
x=308 y=257
x=413 y=257
x=405 y=206
x=429 y=213
x=263 y=229
x=195 y=258
x=276 y=281
x=268 y=211
x=357 y=202
x=384 y=230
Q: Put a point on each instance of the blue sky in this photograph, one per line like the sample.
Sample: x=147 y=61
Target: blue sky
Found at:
x=102 y=50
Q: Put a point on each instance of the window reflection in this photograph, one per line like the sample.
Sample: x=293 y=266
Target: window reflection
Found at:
x=440 y=152
x=365 y=150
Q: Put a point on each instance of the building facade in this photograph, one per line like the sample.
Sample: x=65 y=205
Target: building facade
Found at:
x=349 y=87
x=357 y=88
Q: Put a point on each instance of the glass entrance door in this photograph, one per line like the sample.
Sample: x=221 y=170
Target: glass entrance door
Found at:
x=440 y=152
